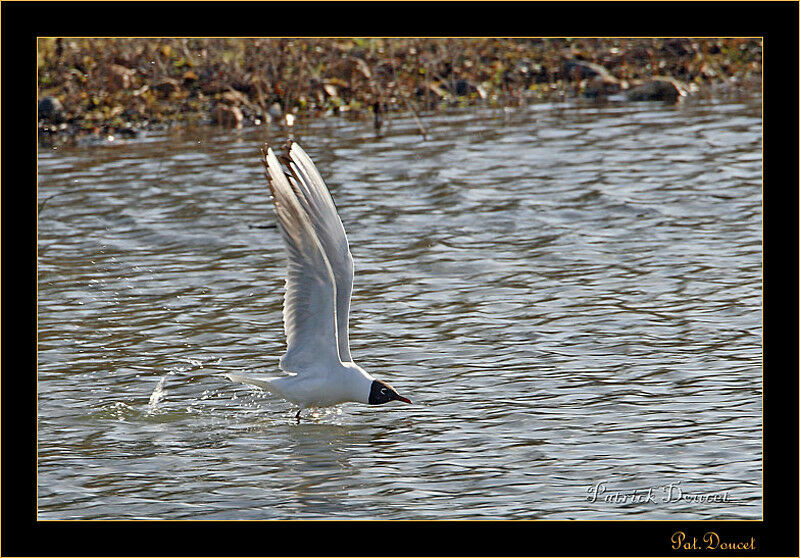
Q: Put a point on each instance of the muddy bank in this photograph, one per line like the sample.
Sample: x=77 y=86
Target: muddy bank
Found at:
x=117 y=87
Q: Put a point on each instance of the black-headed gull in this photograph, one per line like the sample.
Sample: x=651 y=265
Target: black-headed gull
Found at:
x=316 y=307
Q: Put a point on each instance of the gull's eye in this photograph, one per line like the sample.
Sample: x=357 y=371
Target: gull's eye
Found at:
x=383 y=391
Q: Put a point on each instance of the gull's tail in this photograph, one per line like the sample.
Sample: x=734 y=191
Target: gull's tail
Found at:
x=266 y=385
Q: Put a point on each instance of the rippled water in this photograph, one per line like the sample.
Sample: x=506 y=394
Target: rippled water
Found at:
x=571 y=294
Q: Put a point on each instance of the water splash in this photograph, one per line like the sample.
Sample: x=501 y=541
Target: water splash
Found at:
x=157 y=394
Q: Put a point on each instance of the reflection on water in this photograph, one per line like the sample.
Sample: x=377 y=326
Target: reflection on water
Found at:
x=571 y=294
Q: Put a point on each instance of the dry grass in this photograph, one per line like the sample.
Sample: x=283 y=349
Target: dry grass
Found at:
x=114 y=83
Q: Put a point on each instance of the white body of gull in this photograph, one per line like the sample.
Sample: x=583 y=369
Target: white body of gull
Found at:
x=316 y=307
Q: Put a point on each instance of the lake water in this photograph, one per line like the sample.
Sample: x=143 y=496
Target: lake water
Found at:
x=570 y=293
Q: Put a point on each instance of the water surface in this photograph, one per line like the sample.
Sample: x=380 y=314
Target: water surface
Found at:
x=570 y=293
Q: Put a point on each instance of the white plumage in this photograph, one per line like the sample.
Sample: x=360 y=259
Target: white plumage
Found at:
x=319 y=283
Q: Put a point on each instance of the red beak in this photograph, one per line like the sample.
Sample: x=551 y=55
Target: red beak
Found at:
x=403 y=399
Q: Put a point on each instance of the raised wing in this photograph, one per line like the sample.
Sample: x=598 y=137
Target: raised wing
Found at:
x=309 y=308
x=318 y=204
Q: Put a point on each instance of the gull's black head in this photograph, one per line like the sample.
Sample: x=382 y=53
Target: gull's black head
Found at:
x=381 y=392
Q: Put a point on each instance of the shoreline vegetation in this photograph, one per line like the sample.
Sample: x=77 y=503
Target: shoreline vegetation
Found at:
x=105 y=88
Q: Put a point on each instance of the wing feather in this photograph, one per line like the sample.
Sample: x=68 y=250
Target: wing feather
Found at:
x=309 y=307
x=316 y=200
